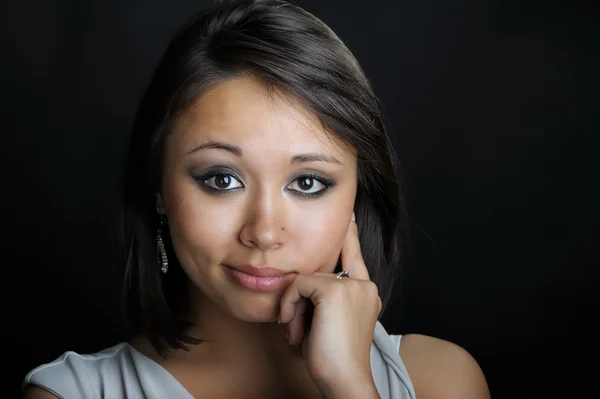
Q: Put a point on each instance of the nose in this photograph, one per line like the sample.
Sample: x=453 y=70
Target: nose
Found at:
x=263 y=227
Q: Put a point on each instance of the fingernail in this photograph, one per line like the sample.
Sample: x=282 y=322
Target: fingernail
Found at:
x=353 y=217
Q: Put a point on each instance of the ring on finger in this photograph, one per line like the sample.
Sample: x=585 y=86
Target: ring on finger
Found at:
x=342 y=274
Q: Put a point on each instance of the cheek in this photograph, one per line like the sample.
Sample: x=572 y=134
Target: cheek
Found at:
x=322 y=236
x=201 y=229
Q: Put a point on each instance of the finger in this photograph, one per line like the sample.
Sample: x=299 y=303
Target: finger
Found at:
x=321 y=274
x=309 y=287
x=296 y=325
x=352 y=259
x=305 y=344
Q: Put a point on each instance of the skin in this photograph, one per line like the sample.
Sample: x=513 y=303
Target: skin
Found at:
x=259 y=217
x=265 y=220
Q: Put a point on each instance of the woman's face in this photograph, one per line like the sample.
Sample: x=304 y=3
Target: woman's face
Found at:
x=253 y=179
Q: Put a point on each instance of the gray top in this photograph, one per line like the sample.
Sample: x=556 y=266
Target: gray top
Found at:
x=121 y=372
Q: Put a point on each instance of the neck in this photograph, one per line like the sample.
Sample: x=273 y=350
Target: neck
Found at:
x=227 y=338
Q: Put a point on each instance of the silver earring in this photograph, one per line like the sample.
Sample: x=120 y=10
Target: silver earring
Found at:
x=161 y=254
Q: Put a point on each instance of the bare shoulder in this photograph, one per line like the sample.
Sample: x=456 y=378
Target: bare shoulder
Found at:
x=35 y=392
x=442 y=369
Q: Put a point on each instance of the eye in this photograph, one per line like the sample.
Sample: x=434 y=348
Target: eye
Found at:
x=310 y=185
x=223 y=182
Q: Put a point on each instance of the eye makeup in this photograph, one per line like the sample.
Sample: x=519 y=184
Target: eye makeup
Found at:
x=224 y=176
x=217 y=172
x=312 y=176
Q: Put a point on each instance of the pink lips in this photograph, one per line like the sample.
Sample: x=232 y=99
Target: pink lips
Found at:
x=259 y=278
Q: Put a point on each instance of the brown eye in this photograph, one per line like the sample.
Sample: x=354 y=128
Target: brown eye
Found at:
x=305 y=183
x=310 y=186
x=223 y=181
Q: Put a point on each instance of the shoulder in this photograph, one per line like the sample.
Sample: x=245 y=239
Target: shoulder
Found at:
x=442 y=369
x=35 y=392
x=62 y=377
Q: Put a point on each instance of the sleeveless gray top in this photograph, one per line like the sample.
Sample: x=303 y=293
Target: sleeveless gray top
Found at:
x=121 y=372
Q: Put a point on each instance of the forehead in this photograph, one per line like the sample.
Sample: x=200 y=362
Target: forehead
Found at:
x=242 y=112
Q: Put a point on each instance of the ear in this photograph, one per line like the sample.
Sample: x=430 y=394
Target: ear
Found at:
x=160 y=205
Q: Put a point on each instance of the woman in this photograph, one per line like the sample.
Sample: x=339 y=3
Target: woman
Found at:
x=261 y=228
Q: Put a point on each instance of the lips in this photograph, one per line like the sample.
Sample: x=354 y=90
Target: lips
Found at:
x=260 y=271
x=262 y=279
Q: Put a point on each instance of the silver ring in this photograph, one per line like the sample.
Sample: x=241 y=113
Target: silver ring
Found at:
x=342 y=274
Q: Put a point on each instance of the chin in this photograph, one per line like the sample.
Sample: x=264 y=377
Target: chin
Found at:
x=264 y=311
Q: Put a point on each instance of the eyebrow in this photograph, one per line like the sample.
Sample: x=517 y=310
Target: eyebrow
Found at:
x=234 y=149
x=314 y=157
x=216 y=145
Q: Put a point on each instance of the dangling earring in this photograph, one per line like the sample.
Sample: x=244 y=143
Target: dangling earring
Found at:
x=161 y=254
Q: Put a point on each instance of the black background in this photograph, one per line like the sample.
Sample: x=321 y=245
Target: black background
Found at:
x=491 y=105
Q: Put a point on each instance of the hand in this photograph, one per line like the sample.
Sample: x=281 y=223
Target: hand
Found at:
x=337 y=347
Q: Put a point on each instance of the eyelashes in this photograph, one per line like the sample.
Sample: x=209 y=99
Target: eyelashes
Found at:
x=225 y=181
x=213 y=180
x=309 y=180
